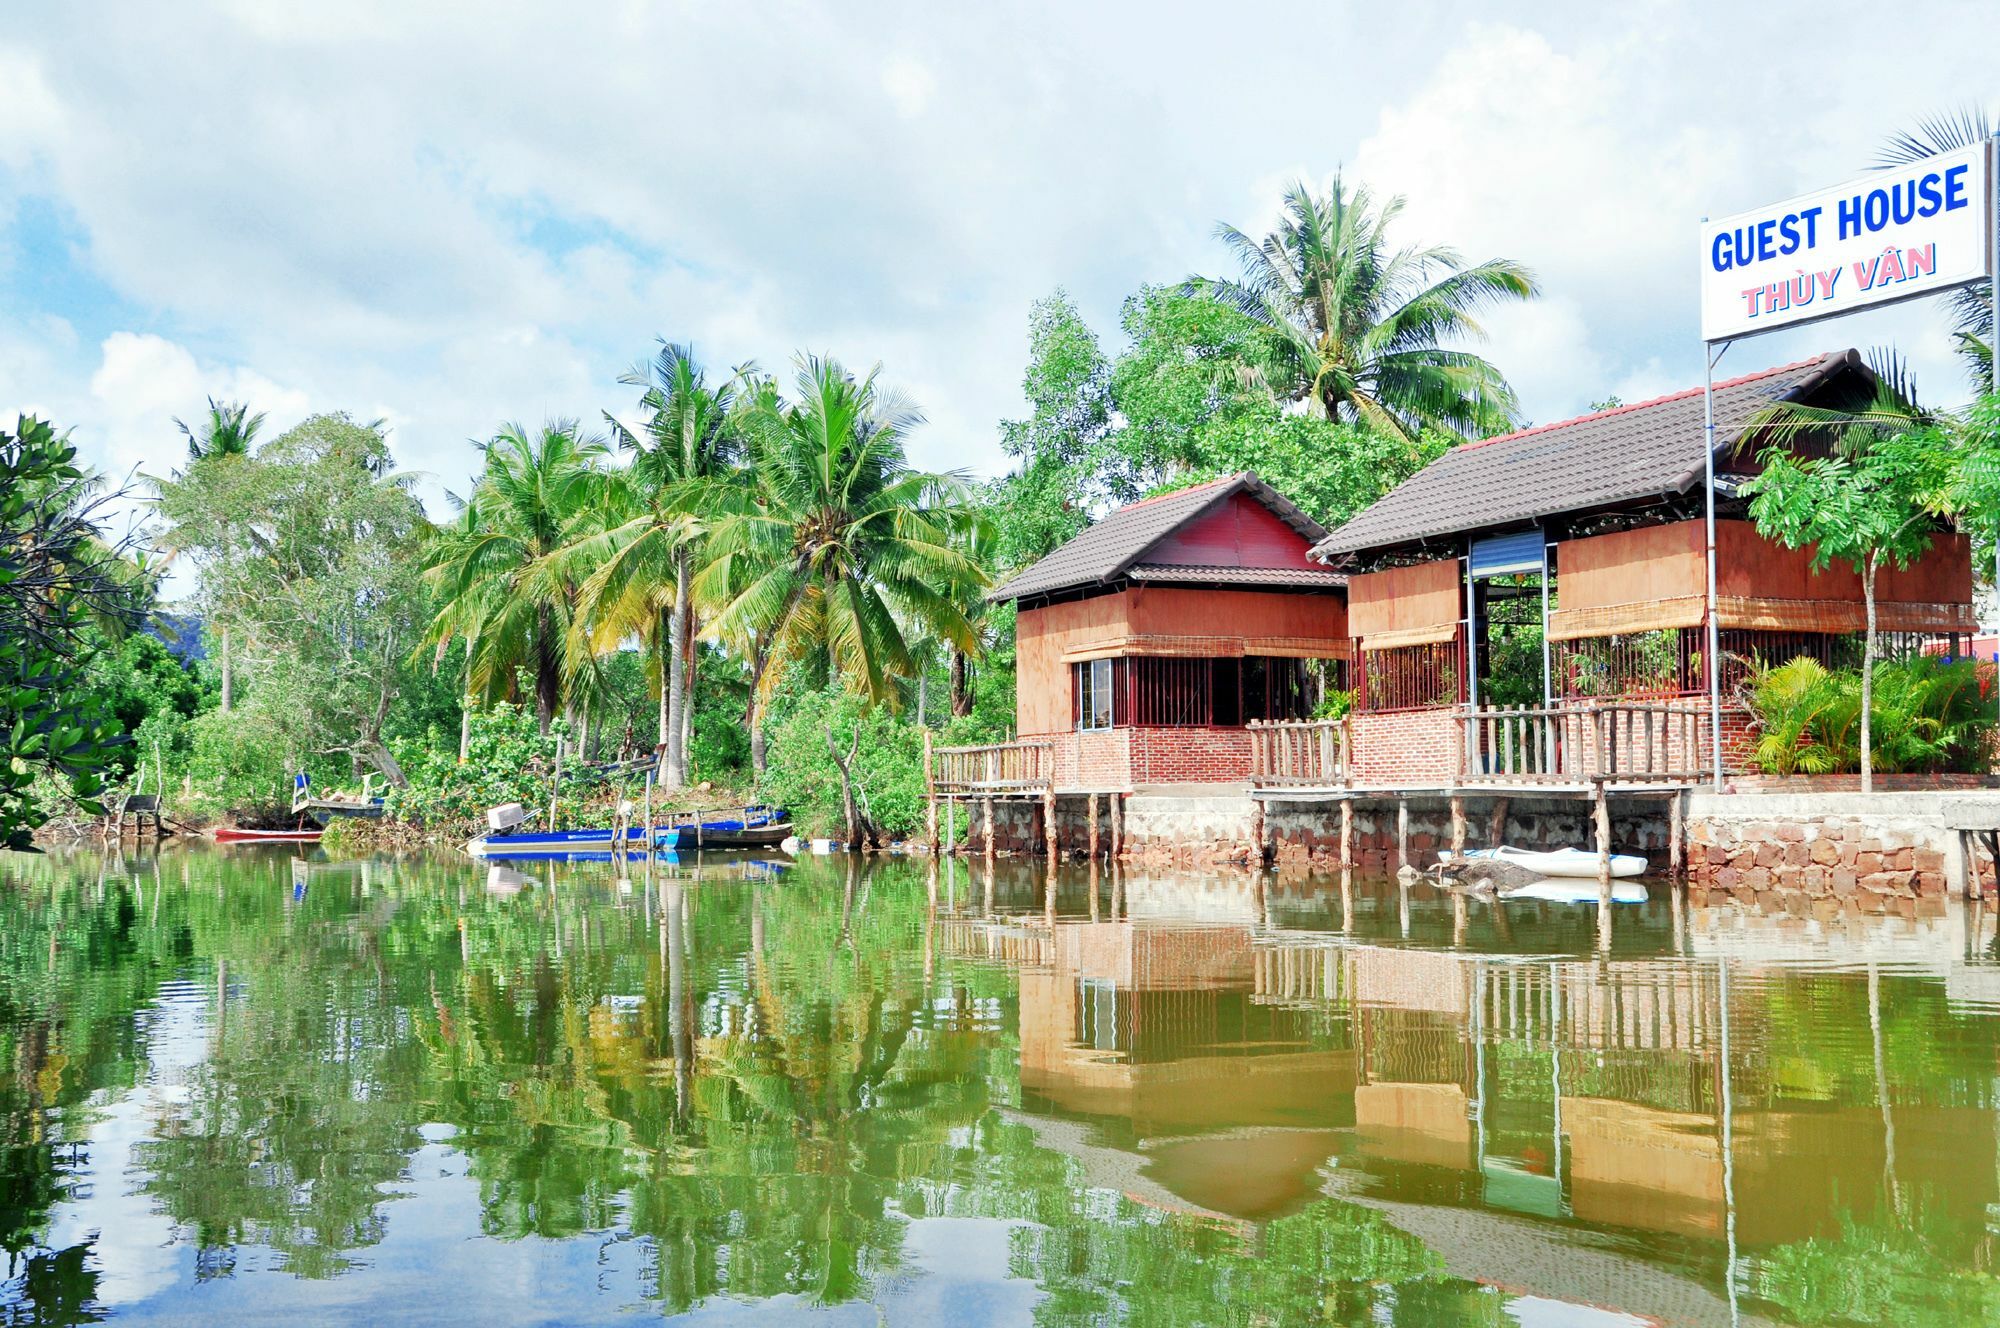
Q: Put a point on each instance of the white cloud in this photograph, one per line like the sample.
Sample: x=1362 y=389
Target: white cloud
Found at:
x=910 y=85
x=421 y=210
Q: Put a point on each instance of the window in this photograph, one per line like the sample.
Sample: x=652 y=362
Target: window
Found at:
x=1096 y=706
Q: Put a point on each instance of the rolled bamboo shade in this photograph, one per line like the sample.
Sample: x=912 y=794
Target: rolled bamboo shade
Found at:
x=1406 y=606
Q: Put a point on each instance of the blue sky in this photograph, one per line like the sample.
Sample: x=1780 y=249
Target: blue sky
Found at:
x=453 y=216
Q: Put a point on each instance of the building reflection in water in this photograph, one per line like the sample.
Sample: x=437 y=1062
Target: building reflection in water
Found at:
x=1247 y=1054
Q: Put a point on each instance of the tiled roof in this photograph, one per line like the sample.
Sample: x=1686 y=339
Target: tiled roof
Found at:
x=1236 y=576
x=1108 y=550
x=1597 y=460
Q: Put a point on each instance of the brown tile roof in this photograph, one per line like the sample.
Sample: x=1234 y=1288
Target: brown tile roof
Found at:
x=1598 y=460
x=1112 y=547
x=1236 y=576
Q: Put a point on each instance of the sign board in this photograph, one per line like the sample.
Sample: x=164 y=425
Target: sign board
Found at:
x=1890 y=235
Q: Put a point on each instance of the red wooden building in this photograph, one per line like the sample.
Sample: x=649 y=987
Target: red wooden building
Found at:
x=1147 y=645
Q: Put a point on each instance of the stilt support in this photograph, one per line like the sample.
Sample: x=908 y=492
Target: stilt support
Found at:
x=1457 y=825
x=1091 y=815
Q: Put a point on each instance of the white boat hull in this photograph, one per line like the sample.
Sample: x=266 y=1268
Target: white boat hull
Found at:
x=1563 y=862
x=1569 y=890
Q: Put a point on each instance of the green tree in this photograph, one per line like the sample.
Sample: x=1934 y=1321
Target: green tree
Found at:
x=837 y=546
x=58 y=583
x=1067 y=464
x=644 y=563
x=1364 y=330
x=1873 y=502
x=202 y=501
x=491 y=574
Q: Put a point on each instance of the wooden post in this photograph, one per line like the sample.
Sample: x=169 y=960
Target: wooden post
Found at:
x=1346 y=842
x=555 y=783
x=1676 y=837
x=1457 y=825
x=988 y=807
x=648 y=813
x=930 y=796
x=1496 y=824
x=951 y=825
x=1049 y=824
x=1259 y=828
x=1603 y=816
x=1117 y=826
x=1402 y=832
x=1092 y=815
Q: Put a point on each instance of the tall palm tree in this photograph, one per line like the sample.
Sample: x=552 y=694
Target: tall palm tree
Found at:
x=836 y=542
x=642 y=584
x=1971 y=306
x=229 y=430
x=494 y=575
x=1361 y=328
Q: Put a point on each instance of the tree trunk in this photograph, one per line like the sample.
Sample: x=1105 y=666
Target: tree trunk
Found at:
x=548 y=671
x=465 y=708
x=228 y=676
x=923 y=696
x=754 y=717
x=383 y=760
x=690 y=677
x=660 y=749
x=840 y=764
x=1868 y=680
x=673 y=765
x=961 y=684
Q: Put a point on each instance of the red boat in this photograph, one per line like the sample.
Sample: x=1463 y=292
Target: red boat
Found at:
x=235 y=834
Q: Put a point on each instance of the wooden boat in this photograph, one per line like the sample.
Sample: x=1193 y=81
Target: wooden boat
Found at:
x=236 y=834
x=757 y=827
x=1563 y=862
x=1570 y=890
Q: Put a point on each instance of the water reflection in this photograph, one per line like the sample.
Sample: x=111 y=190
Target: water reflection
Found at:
x=253 y=1085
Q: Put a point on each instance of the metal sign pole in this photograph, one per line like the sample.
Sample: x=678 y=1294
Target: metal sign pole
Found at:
x=1708 y=493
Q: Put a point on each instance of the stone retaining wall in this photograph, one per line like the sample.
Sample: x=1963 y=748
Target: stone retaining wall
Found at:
x=1825 y=854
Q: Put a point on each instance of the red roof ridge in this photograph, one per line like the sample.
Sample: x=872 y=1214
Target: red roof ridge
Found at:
x=1182 y=493
x=1645 y=405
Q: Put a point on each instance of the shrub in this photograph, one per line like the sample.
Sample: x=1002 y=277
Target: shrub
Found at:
x=1928 y=717
x=888 y=767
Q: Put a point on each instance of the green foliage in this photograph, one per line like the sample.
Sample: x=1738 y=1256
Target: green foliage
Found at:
x=238 y=764
x=307 y=552
x=1067 y=468
x=1929 y=716
x=888 y=765
x=1364 y=331
x=59 y=590
x=510 y=759
x=1875 y=1274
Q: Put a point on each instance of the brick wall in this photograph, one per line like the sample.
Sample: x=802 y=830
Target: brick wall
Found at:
x=1407 y=747
x=1190 y=756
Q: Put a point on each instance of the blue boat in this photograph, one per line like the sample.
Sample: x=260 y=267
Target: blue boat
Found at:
x=560 y=842
x=755 y=827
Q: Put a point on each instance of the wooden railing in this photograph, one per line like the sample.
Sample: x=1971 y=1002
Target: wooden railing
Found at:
x=1024 y=765
x=1300 y=753
x=1613 y=741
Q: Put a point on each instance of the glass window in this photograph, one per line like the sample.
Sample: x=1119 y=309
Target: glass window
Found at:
x=1094 y=693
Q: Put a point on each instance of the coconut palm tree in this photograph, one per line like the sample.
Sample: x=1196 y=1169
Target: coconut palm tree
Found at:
x=644 y=557
x=229 y=430
x=1971 y=306
x=494 y=576
x=1360 y=328
x=835 y=544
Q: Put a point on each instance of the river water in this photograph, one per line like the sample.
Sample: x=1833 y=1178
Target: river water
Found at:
x=244 y=1086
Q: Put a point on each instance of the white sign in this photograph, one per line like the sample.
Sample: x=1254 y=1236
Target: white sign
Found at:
x=1890 y=235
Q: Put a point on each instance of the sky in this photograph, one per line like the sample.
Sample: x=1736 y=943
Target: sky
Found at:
x=448 y=217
